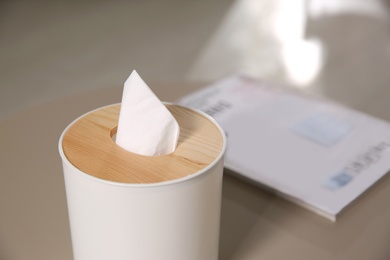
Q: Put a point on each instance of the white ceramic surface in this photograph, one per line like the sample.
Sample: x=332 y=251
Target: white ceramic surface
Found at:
x=176 y=219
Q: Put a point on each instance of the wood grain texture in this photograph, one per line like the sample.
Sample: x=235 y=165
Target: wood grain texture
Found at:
x=89 y=146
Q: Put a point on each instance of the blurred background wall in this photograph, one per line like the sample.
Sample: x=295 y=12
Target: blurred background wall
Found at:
x=336 y=48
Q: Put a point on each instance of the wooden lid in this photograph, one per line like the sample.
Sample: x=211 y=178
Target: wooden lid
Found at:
x=88 y=145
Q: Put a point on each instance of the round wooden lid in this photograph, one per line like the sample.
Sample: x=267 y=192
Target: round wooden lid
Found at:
x=89 y=146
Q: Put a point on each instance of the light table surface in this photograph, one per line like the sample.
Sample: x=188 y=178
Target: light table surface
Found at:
x=255 y=224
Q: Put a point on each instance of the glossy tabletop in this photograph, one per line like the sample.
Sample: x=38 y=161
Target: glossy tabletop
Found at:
x=255 y=224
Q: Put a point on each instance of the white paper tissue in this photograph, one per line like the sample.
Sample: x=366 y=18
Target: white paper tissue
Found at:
x=145 y=125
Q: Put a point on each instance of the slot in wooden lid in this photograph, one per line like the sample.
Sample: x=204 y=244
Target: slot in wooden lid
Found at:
x=88 y=145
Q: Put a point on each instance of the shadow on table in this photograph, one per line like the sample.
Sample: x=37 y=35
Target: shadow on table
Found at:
x=252 y=216
x=242 y=204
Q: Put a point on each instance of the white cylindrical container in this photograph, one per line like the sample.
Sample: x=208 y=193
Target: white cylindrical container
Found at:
x=126 y=206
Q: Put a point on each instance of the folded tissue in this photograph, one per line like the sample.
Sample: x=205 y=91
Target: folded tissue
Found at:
x=145 y=125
